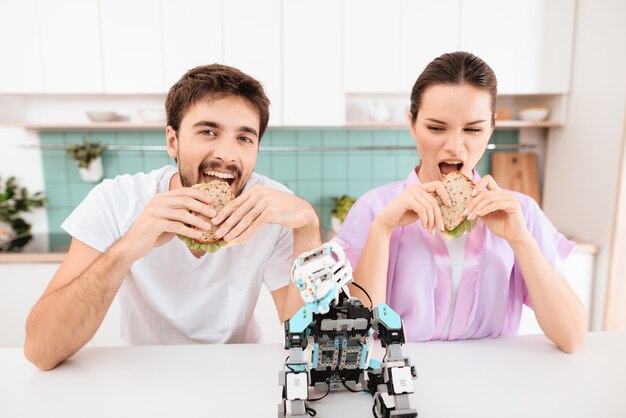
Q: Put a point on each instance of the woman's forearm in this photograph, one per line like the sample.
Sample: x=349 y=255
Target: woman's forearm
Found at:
x=64 y=320
x=371 y=271
x=559 y=312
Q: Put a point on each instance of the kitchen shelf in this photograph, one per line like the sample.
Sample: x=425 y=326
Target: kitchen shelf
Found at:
x=137 y=126
x=502 y=124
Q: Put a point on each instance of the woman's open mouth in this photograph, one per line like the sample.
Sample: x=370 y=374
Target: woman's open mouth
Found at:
x=447 y=167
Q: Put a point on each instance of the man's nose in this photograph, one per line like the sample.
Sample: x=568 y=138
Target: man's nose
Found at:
x=226 y=151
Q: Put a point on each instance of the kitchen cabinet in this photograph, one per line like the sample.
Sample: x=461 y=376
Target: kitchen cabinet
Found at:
x=429 y=29
x=20 y=47
x=192 y=36
x=527 y=43
x=386 y=45
x=252 y=42
x=70 y=46
x=131 y=46
x=371 y=45
x=312 y=81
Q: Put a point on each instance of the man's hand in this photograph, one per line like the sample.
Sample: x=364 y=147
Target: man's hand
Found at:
x=258 y=206
x=165 y=215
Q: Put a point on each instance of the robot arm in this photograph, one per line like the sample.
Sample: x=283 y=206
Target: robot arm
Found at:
x=321 y=275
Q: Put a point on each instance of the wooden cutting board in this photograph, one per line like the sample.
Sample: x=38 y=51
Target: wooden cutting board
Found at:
x=517 y=171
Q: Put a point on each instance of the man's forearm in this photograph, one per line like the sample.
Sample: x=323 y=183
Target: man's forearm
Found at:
x=64 y=320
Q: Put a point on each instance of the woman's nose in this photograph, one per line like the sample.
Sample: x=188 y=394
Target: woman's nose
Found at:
x=455 y=142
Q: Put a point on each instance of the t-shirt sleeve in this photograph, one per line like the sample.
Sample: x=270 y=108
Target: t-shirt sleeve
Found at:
x=277 y=271
x=95 y=221
x=553 y=245
x=355 y=230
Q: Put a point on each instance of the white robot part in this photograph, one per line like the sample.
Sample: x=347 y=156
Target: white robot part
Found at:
x=320 y=273
x=297 y=386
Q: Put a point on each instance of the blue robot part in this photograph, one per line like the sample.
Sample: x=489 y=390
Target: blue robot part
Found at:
x=330 y=340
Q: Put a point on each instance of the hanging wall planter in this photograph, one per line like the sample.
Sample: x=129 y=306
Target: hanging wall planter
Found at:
x=89 y=159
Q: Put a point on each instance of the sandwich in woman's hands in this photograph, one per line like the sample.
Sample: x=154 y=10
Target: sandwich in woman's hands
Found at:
x=459 y=189
x=221 y=195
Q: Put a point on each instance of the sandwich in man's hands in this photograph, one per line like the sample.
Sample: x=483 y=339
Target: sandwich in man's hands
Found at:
x=459 y=189
x=221 y=194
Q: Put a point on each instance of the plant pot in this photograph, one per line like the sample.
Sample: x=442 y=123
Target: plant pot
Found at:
x=6 y=232
x=335 y=223
x=93 y=173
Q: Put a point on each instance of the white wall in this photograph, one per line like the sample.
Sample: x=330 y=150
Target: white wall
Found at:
x=583 y=157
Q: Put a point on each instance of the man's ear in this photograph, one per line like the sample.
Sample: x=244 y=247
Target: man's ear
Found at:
x=171 y=140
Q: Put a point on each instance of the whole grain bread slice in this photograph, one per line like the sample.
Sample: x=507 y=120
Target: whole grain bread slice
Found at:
x=459 y=188
x=221 y=195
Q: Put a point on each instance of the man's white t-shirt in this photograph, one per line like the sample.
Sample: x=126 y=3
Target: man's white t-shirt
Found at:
x=170 y=296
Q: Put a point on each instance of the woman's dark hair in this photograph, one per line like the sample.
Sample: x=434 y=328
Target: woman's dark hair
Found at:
x=455 y=68
x=214 y=82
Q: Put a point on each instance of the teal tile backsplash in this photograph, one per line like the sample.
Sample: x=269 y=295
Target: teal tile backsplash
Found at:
x=316 y=176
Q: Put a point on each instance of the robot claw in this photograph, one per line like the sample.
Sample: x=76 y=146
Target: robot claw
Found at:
x=330 y=342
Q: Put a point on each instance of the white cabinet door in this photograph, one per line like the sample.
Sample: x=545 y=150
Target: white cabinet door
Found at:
x=192 y=36
x=527 y=43
x=131 y=46
x=429 y=29
x=252 y=43
x=371 y=46
x=70 y=45
x=20 y=47
x=312 y=88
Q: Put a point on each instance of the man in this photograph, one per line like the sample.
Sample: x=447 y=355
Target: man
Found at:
x=124 y=234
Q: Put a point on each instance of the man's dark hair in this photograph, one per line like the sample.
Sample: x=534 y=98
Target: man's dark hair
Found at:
x=215 y=82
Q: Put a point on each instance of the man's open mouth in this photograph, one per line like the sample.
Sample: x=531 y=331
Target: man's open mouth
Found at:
x=218 y=175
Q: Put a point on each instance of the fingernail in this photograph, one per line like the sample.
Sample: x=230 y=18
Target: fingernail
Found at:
x=470 y=216
x=219 y=233
x=433 y=232
x=474 y=191
x=441 y=227
x=214 y=221
x=465 y=212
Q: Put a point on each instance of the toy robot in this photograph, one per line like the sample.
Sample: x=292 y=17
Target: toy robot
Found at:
x=330 y=341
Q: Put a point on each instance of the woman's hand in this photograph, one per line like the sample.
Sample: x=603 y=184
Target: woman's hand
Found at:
x=499 y=210
x=415 y=203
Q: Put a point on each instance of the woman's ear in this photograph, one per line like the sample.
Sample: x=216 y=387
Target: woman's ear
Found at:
x=411 y=124
x=171 y=142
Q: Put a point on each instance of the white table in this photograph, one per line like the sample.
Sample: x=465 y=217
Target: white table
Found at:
x=521 y=376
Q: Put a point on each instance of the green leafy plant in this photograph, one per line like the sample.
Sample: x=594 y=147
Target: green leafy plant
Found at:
x=342 y=206
x=15 y=200
x=85 y=153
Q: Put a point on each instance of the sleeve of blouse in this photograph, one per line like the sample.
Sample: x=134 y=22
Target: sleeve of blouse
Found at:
x=553 y=245
x=355 y=229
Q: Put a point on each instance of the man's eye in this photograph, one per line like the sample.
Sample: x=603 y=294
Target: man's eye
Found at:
x=245 y=139
x=208 y=132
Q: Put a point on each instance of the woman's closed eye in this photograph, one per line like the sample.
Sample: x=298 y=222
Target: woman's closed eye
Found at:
x=434 y=128
x=473 y=130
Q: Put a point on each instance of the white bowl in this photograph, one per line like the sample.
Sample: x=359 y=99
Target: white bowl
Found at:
x=152 y=115
x=102 y=116
x=534 y=114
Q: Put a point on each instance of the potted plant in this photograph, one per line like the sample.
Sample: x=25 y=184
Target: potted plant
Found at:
x=89 y=158
x=342 y=207
x=13 y=201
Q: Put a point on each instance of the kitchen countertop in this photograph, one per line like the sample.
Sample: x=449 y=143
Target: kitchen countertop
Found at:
x=522 y=376
x=52 y=248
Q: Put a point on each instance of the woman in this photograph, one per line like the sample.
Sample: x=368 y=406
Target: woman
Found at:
x=473 y=286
